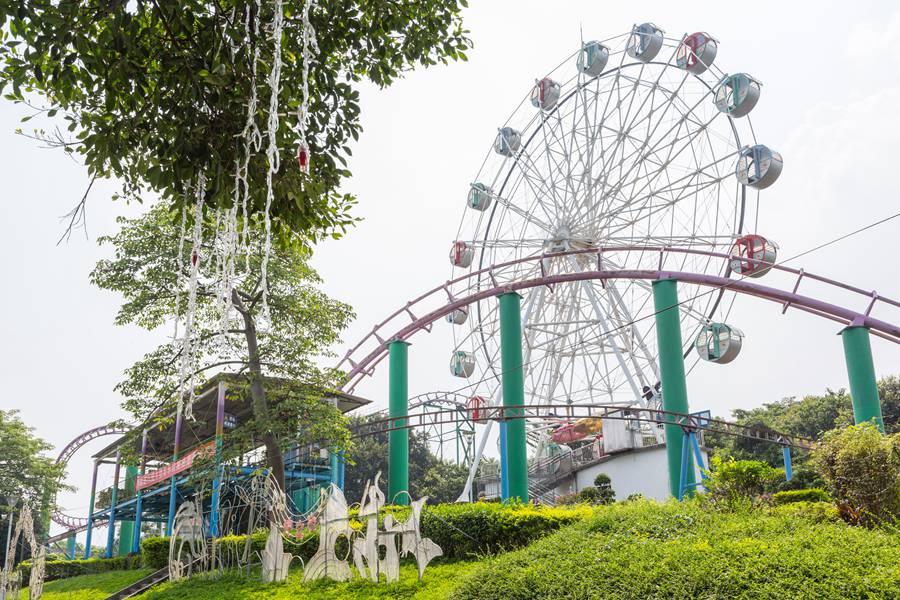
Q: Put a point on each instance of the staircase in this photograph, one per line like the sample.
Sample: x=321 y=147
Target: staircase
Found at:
x=141 y=586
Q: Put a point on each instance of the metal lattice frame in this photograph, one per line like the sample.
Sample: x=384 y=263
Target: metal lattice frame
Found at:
x=639 y=156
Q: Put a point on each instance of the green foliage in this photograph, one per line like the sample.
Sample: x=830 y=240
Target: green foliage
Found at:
x=63 y=569
x=861 y=467
x=370 y=455
x=736 y=482
x=443 y=482
x=606 y=494
x=304 y=323
x=27 y=475
x=91 y=587
x=465 y=530
x=155 y=552
x=641 y=550
x=809 y=495
x=153 y=93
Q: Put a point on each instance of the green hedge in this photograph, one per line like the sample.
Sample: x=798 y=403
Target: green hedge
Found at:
x=461 y=530
x=808 y=495
x=62 y=569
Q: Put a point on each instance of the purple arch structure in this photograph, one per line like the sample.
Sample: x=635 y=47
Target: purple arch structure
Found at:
x=79 y=524
x=439 y=301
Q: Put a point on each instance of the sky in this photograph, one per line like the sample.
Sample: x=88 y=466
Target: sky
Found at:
x=831 y=85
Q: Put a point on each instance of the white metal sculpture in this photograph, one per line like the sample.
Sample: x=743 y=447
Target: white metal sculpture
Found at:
x=12 y=582
x=334 y=522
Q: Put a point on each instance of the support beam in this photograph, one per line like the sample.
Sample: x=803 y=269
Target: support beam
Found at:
x=126 y=529
x=788 y=469
x=861 y=372
x=90 y=519
x=674 y=384
x=398 y=439
x=217 y=480
x=504 y=464
x=173 y=486
x=113 y=499
x=513 y=381
x=71 y=547
x=139 y=503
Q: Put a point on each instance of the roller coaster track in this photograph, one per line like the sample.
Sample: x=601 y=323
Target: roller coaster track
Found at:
x=361 y=360
x=78 y=524
x=572 y=412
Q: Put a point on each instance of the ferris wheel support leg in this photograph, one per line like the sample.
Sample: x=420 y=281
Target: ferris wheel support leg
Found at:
x=513 y=379
x=398 y=439
x=861 y=372
x=674 y=384
x=90 y=519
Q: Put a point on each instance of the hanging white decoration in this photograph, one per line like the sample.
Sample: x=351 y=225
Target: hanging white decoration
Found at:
x=187 y=372
x=310 y=45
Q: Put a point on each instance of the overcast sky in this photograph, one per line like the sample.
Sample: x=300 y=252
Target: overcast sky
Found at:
x=831 y=88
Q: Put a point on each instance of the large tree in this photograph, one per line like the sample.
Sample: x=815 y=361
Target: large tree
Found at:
x=27 y=475
x=154 y=93
x=301 y=326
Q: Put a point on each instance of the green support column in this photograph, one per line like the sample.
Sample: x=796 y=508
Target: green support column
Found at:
x=671 y=371
x=861 y=372
x=126 y=529
x=513 y=381
x=398 y=439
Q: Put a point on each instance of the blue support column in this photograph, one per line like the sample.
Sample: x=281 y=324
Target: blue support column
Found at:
x=217 y=481
x=71 y=547
x=504 y=464
x=788 y=468
x=139 y=503
x=90 y=520
x=334 y=467
x=111 y=525
x=173 y=486
x=341 y=465
x=687 y=481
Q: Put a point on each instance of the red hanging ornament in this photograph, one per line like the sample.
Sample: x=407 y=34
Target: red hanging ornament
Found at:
x=195 y=256
x=303 y=158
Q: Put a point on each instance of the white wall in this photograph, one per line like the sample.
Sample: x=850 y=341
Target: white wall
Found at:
x=642 y=471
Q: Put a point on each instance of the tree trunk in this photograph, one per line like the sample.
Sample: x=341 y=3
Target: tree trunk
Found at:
x=258 y=392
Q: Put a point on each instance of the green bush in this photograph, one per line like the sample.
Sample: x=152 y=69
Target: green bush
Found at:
x=817 y=512
x=738 y=482
x=861 y=467
x=810 y=495
x=155 y=552
x=464 y=530
x=62 y=569
x=644 y=550
x=605 y=492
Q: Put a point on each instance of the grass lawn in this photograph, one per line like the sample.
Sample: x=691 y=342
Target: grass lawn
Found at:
x=90 y=587
x=440 y=578
x=644 y=550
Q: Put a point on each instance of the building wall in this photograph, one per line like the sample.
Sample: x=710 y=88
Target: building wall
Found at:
x=643 y=471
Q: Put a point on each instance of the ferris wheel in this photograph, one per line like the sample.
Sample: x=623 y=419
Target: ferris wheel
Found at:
x=635 y=142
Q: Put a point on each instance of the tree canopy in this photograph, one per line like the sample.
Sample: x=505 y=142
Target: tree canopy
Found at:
x=228 y=331
x=155 y=93
x=27 y=475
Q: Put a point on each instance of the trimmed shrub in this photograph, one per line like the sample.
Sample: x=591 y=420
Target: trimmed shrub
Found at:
x=464 y=530
x=62 y=569
x=155 y=552
x=810 y=495
x=461 y=530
